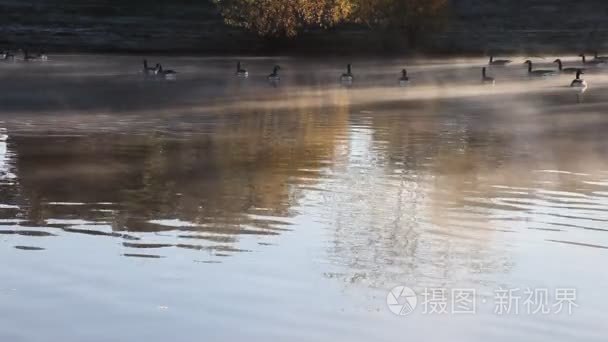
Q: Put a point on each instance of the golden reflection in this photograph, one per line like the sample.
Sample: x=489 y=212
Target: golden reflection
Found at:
x=237 y=176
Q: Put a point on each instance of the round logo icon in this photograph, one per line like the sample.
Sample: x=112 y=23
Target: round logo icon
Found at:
x=401 y=300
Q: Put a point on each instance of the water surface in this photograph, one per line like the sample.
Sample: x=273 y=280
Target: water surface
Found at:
x=222 y=209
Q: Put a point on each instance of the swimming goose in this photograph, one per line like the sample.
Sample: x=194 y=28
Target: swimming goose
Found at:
x=167 y=74
x=538 y=73
x=240 y=72
x=274 y=76
x=578 y=82
x=34 y=58
x=42 y=56
x=486 y=79
x=148 y=69
x=404 y=80
x=347 y=78
x=598 y=57
x=8 y=56
x=593 y=62
x=566 y=70
x=498 y=62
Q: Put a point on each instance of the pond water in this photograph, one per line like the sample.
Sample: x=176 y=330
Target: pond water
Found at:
x=216 y=208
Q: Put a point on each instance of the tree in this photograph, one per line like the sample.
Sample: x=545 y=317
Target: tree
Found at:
x=283 y=18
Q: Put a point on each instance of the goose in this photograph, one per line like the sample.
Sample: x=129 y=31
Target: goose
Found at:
x=594 y=62
x=486 y=79
x=578 y=82
x=404 y=80
x=27 y=56
x=347 y=78
x=148 y=69
x=240 y=72
x=538 y=73
x=168 y=74
x=498 y=62
x=566 y=70
x=596 y=56
x=42 y=56
x=8 y=56
x=34 y=58
x=274 y=76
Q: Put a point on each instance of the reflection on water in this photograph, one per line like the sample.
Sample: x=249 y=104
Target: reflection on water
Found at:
x=222 y=191
x=208 y=190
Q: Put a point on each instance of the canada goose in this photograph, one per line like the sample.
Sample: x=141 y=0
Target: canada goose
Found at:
x=168 y=74
x=593 y=62
x=148 y=69
x=566 y=70
x=538 y=73
x=498 y=62
x=8 y=56
x=274 y=76
x=34 y=58
x=578 y=82
x=240 y=72
x=42 y=56
x=598 y=57
x=404 y=80
x=486 y=79
x=27 y=56
x=347 y=78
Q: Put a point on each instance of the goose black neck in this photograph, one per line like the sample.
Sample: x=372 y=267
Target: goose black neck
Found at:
x=578 y=74
x=348 y=69
x=584 y=58
x=529 y=66
x=483 y=72
x=404 y=72
x=238 y=66
x=559 y=64
x=491 y=59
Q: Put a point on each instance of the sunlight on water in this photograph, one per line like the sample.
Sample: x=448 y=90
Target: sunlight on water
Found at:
x=213 y=202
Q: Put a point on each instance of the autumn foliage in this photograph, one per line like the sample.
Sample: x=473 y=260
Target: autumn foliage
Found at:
x=283 y=18
x=286 y=18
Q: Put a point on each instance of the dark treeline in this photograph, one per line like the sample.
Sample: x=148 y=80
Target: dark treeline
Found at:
x=304 y=26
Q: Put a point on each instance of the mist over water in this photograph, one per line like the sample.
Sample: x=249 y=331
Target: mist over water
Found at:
x=220 y=208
